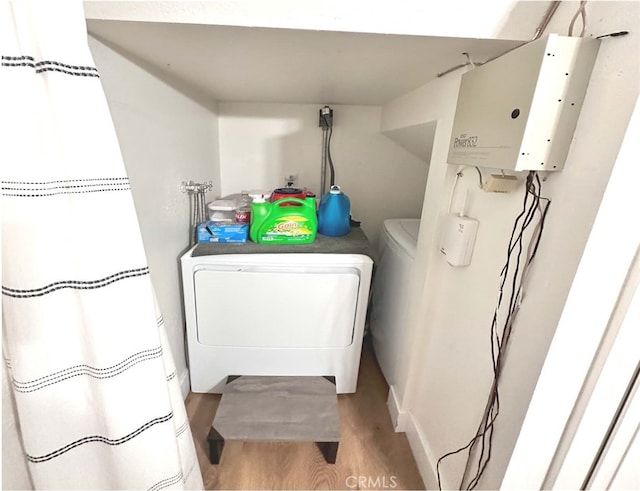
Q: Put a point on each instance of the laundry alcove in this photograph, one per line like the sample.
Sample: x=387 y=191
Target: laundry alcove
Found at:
x=239 y=106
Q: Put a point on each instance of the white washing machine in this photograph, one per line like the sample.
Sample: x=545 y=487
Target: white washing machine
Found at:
x=274 y=314
x=390 y=295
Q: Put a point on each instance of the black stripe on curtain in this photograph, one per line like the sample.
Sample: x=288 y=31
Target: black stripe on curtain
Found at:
x=159 y=322
x=100 y=439
x=123 y=180
x=25 y=189
x=65 y=192
x=74 y=284
x=97 y=373
x=182 y=429
x=49 y=66
x=165 y=483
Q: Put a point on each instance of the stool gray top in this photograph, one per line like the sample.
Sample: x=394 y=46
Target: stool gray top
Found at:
x=279 y=408
x=355 y=242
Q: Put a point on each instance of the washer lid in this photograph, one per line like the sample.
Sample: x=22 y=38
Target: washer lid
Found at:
x=404 y=232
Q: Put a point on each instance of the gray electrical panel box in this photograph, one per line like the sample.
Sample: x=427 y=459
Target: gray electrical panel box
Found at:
x=519 y=111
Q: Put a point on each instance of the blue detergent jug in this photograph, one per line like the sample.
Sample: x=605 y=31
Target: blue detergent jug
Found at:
x=334 y=213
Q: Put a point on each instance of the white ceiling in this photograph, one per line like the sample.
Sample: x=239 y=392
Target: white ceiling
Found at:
x=253 y=64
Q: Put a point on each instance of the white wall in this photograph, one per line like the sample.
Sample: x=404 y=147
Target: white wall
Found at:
x=434 y=102
x=576 y=402
x=260 y=143
x=165 y=138
x=455 y=18
x=449 y=371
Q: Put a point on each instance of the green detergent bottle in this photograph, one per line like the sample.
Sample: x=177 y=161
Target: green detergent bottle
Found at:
x=273 y=223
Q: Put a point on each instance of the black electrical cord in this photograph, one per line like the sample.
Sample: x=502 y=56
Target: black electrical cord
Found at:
x=332 y=171
x=479 y=176
x=500 y=341
x=613 y=34
x=506 y=332
x=513 y=308
x=503 y=273
x=485 y=429
x=542 y=220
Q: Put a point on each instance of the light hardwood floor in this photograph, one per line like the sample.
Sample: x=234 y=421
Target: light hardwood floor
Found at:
x=371 y=455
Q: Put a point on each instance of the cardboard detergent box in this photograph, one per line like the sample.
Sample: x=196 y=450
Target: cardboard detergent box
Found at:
x=223 y=232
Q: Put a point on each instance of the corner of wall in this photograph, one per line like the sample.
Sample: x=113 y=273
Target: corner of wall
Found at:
x=185 y=386
x=161 y=145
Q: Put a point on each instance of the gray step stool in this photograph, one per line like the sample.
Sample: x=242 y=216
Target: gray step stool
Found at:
x=277 y=409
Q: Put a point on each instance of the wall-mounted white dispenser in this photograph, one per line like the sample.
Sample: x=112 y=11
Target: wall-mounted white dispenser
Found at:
x=459 y=239
x=519 y=111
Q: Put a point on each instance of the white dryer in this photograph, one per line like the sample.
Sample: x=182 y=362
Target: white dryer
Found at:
x=274 y=314
x=391 y=287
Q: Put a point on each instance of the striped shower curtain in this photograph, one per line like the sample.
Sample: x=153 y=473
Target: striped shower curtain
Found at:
x=95 y=388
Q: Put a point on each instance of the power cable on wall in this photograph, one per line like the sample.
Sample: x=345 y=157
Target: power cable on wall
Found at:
x=551 y=10
x=582 y=13
x=538 y=32
x=480 y=446
x=460 y=174
x=332 y=170
x=326 y=123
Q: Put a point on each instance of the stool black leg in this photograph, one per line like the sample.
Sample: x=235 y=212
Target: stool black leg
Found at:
x=216 y=445
x=329 y=451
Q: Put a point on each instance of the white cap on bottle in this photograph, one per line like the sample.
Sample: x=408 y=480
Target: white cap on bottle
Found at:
x=258 y=193
x=260 y=198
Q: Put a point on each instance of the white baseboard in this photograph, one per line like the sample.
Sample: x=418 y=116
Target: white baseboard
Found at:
x=393 y=407
x=398 y=417
x=185 y=386
x=404 y=422
x=423 y=454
